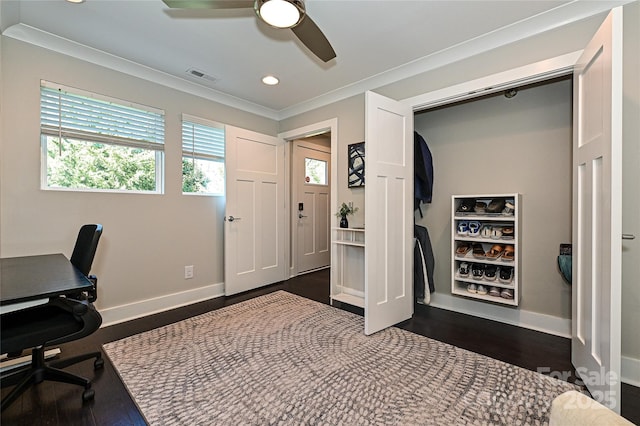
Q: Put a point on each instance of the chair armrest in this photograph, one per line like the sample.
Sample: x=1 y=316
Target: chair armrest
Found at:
x=83 y=312
x=93 y=293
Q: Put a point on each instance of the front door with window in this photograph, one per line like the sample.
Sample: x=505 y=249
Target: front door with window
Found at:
x=311 y=216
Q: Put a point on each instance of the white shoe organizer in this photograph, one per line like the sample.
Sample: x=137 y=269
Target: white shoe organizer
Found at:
x=489 y=223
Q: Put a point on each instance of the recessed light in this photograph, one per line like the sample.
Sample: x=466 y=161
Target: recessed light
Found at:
x=76 y=1
x=270 y=80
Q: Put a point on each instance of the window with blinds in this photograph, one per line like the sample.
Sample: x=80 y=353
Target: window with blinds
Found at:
x=202 y=156
x=92 y=142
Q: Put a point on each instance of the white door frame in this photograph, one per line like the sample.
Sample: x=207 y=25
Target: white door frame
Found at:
x=527 y=74
x=330 y=125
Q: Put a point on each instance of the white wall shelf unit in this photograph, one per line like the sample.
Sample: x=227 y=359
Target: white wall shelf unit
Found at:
x=347 y=283
x=485 y=231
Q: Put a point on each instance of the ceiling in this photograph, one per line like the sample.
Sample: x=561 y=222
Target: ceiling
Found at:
x=374 y=40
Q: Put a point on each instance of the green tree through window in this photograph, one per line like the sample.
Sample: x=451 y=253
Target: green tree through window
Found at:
x=90 y=165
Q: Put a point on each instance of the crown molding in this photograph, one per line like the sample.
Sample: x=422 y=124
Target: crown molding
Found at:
x=564 y=14
x=37 y=37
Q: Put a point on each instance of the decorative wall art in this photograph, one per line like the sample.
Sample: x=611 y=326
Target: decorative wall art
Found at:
x=356 y=164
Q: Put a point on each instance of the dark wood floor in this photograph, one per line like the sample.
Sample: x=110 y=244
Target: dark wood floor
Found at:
x=60 y=404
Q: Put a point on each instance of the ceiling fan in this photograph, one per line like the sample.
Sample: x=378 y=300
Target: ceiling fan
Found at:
x=276 y=13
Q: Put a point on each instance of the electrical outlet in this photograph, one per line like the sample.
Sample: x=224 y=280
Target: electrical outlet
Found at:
x=188 y=272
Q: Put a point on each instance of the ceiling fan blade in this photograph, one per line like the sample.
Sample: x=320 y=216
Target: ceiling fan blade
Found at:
x=312 y=37
x=209 y=4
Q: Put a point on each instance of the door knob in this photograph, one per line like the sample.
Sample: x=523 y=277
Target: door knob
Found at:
x=231 y=218
x=300 y=215
x=628 y=237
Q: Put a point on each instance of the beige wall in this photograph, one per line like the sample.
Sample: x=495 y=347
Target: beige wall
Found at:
x=350 y=114
x=497 y=145
x=147 y=239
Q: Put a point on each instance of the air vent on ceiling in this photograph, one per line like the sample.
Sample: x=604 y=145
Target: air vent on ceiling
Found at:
x=200 y=74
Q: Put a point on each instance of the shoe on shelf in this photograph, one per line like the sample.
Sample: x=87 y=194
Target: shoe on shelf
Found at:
x=472 y=288
x=463 y=271
x=482 y=290
x=466 y=205
x=506 y=293
x=477 y=270
x=496 y=206
x=495 y=252
x=463 y=248
x=463 y=229
x=506 y=274
x=474 y=229
x=494 y=291
x=478 y=250
x=509 y=253
x=490 y=272
x=486 y=231
x=509 y=208
x=480 y=207
x=507 y=233
x=496 y=233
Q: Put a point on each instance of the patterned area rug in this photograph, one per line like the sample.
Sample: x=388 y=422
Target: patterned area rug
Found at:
x=284 y=359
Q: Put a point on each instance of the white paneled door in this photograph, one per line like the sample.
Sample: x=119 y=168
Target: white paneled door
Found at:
x=597 y=213
x=311 y=164
x=388 y=213
x=255 y=210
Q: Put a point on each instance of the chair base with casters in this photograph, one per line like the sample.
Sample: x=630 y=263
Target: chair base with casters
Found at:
x=40 y=370
x=59 y=321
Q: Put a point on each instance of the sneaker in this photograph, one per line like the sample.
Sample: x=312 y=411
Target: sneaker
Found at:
x=506 y=293
x=482 y=289
x=506 y=274
x=463 y=229
x=472 y=288
x=464 y=269
x=480 y=207
x=490 y=272
x=474 y=229
x=477 y=270
x=466 y=205
x=494 y=291
x=509 y=208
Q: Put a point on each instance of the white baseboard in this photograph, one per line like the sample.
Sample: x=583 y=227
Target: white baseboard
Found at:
x=130 y=311
x=630 y=371
x=519 y=317
x=630 y=367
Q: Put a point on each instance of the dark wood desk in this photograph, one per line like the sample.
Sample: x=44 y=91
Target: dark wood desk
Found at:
x=28 y=278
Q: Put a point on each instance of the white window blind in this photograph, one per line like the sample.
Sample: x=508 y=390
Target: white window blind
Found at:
x=202 y=141
x=76 y=116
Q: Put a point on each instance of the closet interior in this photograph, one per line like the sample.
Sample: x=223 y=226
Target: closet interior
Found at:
x=514 y=146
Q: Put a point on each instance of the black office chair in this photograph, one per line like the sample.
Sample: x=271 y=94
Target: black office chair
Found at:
x=62 y=319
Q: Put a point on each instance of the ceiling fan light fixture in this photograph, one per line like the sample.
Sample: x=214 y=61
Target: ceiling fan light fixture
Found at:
x=280 y=13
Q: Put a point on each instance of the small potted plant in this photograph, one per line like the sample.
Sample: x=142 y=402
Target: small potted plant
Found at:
x=343 y=212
